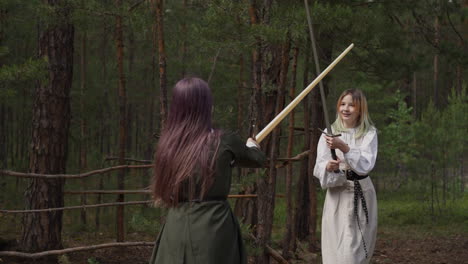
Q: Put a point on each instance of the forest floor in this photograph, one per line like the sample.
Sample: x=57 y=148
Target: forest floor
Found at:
x=396 y=246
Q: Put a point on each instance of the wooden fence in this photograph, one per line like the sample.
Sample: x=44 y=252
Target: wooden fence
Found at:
x=281 y=162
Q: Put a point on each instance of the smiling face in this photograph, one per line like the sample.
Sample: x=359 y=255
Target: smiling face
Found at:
x=349 y=111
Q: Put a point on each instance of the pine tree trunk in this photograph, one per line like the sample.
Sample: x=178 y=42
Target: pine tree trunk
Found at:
x=183 y=52
x=105 y=117
x=247 y=209
x=290 y=167
x=162 y=61
x=276 y=75
x=317 y=117
x=50 y=127
x=83 y=163
x=301 y=212
x=3 y=140
x=240 y=93
x=122 y=123
x=256 y=108
x=436 y=62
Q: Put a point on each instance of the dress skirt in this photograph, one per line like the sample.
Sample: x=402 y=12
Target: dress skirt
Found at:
x=342 y=237
x=200 y=233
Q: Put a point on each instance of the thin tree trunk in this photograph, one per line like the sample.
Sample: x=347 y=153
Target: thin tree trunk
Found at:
x=240 y=89
x=105 y=116
x=459 y=78
x=256 y=108
x=50 y=127
x=436 y=62
x=3 y=140
x=247 y=210
x=162 y=60
x=83 y=163
x=183 y=53
x=289 y=167
x=414 y=84
x=122 y=123
x=301 y=212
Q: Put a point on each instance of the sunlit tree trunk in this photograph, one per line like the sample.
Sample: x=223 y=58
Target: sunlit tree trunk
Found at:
x=50 y=127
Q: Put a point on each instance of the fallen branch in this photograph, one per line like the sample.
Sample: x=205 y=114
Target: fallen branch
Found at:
x=69 y=250
x=109 y=192
x=277 y=256
x=75 y=207
x=298 y=157
x=149 y=191
x=129 y=159
x=72 y=176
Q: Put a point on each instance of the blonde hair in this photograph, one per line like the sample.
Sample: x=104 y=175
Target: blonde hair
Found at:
x=363 y=122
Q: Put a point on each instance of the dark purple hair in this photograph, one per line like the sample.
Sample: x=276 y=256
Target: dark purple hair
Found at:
x=184 y=160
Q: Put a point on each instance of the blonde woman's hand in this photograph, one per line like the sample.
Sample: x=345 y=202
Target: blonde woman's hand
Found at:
x=333 y=165
x=336 y=143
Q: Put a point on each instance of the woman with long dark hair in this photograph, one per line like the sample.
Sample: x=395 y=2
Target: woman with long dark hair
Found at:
x=192 y=177
x=349 y=219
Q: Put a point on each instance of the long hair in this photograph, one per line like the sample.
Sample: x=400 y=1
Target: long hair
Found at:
x=184 y=158
x=363 y=122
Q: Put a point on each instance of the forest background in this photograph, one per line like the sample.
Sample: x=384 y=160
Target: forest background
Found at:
x=84 y=85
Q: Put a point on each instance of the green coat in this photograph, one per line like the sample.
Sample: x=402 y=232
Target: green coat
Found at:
x=208 y=232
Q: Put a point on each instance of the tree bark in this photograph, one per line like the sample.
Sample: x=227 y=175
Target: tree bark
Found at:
x=247 y=209
x=289 y=167
x=162 y=60
x=50 y=127
x=276 y=75
x=83 y=163
x=436 y=62
x=301 y=212
x=122 y=122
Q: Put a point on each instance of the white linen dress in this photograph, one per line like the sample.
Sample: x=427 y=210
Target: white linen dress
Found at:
x=342 y=240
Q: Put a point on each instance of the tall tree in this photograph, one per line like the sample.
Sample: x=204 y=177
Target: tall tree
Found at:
x=159 y=13
x=122 y=118
x=289 y=168
x=50 y=128
x=83 y=160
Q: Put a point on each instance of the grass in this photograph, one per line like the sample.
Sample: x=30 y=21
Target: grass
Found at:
x=402 y=213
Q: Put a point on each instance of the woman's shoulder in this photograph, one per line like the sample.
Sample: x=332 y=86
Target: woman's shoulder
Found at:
x=372 y=129
x=229 y=136
x=371 y=132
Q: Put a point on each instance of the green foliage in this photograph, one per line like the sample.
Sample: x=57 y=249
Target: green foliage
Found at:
x=32 y=69
x=63 y=259
x=93 y=261
x=250 y=244
x=397 y=209
x=397 y=138
x=140 y=223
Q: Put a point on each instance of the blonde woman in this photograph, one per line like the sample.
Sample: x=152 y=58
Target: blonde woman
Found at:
x=349 y=220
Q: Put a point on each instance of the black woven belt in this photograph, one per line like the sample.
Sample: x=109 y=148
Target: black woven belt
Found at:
x=352 y=176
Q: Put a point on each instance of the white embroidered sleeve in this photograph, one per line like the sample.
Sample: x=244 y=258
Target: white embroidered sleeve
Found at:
x=361 y=159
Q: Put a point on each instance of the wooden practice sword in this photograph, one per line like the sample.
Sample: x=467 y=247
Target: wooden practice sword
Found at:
x=273 y=123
